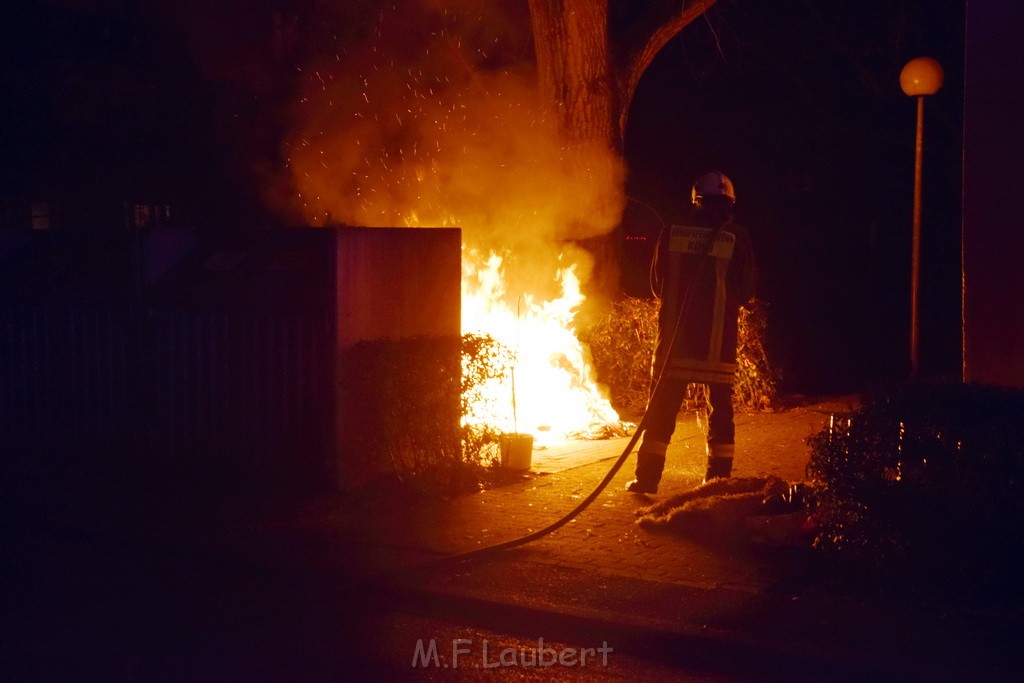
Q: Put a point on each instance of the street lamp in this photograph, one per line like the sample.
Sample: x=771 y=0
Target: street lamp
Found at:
x=920 y=76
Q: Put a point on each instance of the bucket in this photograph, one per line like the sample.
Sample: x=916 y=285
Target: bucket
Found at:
x=516 y=450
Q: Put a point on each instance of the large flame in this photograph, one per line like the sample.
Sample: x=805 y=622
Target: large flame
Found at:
x=549 y=391
x=419 y=127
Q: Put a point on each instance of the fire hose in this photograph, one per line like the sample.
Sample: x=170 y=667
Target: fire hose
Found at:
x=479 y=553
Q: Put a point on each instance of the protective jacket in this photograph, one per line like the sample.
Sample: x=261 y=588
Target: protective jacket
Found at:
x=704 y=273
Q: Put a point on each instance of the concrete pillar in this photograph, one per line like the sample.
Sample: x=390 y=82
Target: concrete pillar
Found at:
x=398 y=362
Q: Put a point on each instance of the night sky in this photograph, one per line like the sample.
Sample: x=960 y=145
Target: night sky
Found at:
x=797 y=100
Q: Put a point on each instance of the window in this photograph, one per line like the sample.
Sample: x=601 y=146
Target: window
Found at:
x=148 y=215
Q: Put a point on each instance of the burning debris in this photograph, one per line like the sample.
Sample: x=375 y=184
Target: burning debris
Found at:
x=549 y=389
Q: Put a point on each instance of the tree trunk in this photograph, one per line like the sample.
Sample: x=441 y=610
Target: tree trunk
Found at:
x=574 y=71
x=590 y=81
x=590 y=75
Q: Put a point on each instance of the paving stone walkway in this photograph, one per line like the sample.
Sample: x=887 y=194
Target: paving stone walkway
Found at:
x=603 y=538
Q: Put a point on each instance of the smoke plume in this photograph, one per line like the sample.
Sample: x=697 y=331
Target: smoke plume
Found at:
x=434 y=119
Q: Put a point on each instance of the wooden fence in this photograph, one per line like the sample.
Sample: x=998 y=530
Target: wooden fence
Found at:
x=218 y=395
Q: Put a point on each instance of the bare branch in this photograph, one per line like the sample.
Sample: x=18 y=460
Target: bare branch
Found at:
x=646 y=37
x=840 y=48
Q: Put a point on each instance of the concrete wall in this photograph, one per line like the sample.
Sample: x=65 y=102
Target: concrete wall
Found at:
x=993 y=237
x=397 y=283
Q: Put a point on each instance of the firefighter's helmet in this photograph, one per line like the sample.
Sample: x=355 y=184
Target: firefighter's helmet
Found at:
x=714 y=183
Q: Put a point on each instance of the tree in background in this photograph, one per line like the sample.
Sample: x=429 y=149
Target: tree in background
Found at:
x=590 y=56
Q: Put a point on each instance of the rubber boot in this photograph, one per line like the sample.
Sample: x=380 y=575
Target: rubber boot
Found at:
x=719 y=461
x=649 y=466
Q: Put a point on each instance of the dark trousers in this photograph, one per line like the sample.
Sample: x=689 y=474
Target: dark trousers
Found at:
x=664 y=408
x=662 y=411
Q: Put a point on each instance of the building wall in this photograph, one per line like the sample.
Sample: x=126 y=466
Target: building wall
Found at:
x=993 y=233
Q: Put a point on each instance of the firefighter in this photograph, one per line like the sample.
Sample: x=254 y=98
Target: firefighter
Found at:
x=703 y=270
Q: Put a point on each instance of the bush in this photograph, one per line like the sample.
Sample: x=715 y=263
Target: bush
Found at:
x=403 y=402
x=756 y=379
x=483 y=358
x=923 y=485
x=622 y=345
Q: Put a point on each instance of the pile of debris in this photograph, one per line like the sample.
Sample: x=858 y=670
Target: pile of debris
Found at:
x=760 y=509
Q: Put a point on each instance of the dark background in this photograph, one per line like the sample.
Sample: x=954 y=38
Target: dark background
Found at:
x=112 y=101
x=799 y=103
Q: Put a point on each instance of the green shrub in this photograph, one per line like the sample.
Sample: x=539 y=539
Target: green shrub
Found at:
x=922 y=486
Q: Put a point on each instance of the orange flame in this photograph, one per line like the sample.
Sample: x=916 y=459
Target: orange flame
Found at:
x=550 y=390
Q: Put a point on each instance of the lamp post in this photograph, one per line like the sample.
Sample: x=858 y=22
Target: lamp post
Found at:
x=920 y=77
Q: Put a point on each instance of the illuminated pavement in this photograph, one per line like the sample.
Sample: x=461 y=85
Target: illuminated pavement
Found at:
x=662 y=597
x=323 y=588
x=605 y=535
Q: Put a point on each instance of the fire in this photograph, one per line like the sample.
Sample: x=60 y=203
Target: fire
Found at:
x=433 y=122
x=550 y=390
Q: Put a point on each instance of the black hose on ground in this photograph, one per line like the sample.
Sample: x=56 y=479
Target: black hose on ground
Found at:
x=479 y=553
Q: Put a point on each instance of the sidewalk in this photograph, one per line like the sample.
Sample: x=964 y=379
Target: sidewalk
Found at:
x=605 y=536
x=602 y=574
x=314 y=581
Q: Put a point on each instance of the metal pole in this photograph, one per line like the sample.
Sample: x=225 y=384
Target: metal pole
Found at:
x=915 y=263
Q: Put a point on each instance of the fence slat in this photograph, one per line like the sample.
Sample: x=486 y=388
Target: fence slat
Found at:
x=240 y=386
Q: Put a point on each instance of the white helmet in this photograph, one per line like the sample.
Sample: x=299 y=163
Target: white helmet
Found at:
x=711 y=184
